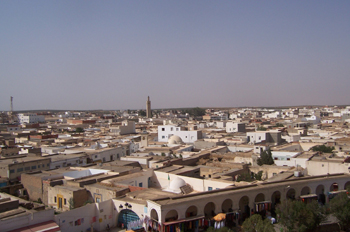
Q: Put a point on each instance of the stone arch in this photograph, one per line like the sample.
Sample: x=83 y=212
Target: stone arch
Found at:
x=154 y=215
x=321 y=197
x=226 y=206
x=347 y=185
x=244 y=207
x=305 y=191
x=319 y=189
x=260 y=197
x=290 y=194
x=209 y=209
x=191 y=211
x=276 y=197
x=172 y=215
x=334 y=187
x=126 y=216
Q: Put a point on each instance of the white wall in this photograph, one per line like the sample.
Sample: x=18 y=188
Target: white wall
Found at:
x=200 y=185
x=166 y=131
x=28 y=219
x=256 y=137
x=103 y=211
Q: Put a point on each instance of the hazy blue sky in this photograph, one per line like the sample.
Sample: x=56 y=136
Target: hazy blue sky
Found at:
x=113 y=54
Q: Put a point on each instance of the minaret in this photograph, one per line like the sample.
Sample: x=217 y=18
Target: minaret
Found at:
x=148 y=108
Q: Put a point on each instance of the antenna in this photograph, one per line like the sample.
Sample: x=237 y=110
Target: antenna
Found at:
x=11 y=104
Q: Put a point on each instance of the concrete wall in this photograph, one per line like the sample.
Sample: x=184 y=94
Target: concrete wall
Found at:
x=34 y=186
x=94 y=215
x=320 y=167
x=28 y=219
x=166 y=131
x=234 y=197
x=160 y=179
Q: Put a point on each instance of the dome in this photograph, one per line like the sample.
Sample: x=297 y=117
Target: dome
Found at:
x=175 y=140
x=176 y=184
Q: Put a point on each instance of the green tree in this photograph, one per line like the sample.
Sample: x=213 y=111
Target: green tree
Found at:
x=323 y=148
x=261 y=128
x=71 y=203
x=142 y=113
x=223 y=229
x=79 y=130
x=258 y=175
x=245 y=177
x=300 y=217
x=340 y=208
x=194 y=111
x=279 y=125
x=256 y=223
x=249 y=177
x=265 y=158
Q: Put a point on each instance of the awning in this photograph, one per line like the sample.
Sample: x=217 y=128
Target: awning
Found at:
x=49 y=226
x=309 y=196
x=183 y=220
x=220 y=217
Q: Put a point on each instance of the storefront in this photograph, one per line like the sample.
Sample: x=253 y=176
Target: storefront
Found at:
x=191 y=224
x=262 y=207
x=308 y=198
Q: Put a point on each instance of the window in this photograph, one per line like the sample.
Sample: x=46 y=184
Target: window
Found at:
x=33 y=167
x=210 y=188
x=140 y=184
x=177 y=129
x=288 y=158
x=65 y=201
x=322 y=165
x=163 y=129
x=163 y=137
x=19 y=169
x=47 y=165
x=12 y=170
x=171 y=128
x=55 y=199
x=95 y=156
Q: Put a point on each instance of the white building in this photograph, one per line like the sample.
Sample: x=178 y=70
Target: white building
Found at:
x=256 y=136
x=30 y=118
x=127 y=127
x=232 y=127
x=166 y=131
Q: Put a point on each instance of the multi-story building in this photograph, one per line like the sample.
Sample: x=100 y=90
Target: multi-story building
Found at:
x=30 y=118
x=14 y=167
x=166 y=131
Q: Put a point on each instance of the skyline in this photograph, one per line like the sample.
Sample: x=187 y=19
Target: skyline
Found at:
x=84 y=55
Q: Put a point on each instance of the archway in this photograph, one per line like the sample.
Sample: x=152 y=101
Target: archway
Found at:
x=347 y=185
x=191 y=211
x=244 y=207
x=305 y=191
x=319 y=189
x=126 y=216
x=171 y=215
x=260 y=197
x=226 y=206
x=334 y=187
x=321 y=197
x=276 y=197
x=209 y=209
x=290 y=194
x=154 y=215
